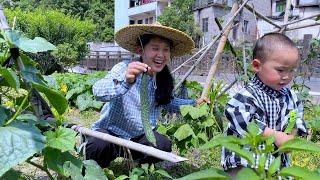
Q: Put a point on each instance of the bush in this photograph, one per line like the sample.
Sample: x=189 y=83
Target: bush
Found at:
x=68 y=33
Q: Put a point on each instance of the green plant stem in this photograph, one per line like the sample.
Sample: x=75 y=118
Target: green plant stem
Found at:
x=41 y=168
x=18 y=111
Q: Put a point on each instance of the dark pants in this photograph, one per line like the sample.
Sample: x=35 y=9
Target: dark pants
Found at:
x=104 y=152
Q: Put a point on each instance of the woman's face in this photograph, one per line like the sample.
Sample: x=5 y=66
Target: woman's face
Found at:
x=156 y=54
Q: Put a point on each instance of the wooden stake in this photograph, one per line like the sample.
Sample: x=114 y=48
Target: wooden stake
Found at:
x=234 y=11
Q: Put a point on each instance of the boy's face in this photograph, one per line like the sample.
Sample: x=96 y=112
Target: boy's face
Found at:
x=156 y=54
x=277 y=70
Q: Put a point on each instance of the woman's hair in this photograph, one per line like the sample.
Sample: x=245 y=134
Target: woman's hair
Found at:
x=164 y=80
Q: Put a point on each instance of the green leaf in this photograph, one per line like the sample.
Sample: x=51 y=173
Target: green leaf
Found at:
x=208 y=122
x=63 y=139
x=93 y=170
x=55 y=98
x=275 y=165
x=55 y=160
x=75 y=91
x=219 y=140
x=206 y=174
x=36 y=45
x=253 y=129
x=183 y=132
x=11 y=77
x=240 y=152
x=163 y=173
x=194 y=112
x=73 y=171
x=247 y=174
x=5 y=114
x=18 y=142
x=85 y=101
x=299 y=173
x=299 y=145
x=262 y=162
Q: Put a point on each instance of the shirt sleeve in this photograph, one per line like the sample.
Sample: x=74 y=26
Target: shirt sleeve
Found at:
x=300 y=123
x=113 y=84
x=240 y=111
x=175 y=103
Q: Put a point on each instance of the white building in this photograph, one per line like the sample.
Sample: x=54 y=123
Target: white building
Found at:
x=299 y=9
x=137 y=11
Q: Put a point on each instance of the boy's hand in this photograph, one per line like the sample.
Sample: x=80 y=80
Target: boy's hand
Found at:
x=134 y=69
x=281 y=137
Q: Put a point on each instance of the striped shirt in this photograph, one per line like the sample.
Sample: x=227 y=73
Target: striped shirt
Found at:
x=121 y=114
x=269 y=108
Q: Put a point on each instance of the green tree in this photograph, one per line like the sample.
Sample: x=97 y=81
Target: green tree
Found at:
x=179 y=15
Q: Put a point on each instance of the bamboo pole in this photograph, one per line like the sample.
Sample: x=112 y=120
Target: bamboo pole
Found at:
x=130 y=144
x=227 y=26
x=188 y=60
x=261 y=16
x=302 y=26
x=235 y=9
x=286 y=16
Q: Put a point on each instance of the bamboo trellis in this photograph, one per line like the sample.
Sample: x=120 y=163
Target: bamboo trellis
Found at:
x=224 y=34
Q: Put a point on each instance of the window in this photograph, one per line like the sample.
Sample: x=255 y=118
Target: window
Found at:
x=140 y=21
x=205 y=24
x=131 y=21
x=146 y=21
x=245 y=27
x=280 y=6
x=151 y=20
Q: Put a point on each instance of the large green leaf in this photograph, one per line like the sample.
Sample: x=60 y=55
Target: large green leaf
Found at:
x=183 y=132
x=12 y=174
x=206 y=174
x=55 y=160
x=30 y=72
x=75 y=91
x=18 y=142
x=11 y=77
x=63 y=139
x=247 y=174
x=36 y=45
x=56 y=99
x=299 y=173
x=299 y=144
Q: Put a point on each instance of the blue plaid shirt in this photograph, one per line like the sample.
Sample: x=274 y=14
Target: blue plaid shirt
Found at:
x=121 y=114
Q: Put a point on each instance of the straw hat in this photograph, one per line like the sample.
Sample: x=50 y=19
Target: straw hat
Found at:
x=127 y=37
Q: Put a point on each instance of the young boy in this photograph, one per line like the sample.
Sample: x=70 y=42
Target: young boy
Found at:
x=265 y=99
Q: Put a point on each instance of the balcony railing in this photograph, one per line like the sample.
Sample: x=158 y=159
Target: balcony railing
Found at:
x=205 y=3
x=141 y=2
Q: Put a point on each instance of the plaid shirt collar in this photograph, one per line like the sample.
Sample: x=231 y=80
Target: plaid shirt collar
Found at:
x=268 y=90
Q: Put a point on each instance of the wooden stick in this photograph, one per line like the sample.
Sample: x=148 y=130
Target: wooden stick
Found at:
x=302 y=26
x=235 y=9
x=298 y=20
x=261 y=16
x=130 y=144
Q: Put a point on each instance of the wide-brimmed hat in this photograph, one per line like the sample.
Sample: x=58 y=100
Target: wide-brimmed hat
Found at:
x=127 y=37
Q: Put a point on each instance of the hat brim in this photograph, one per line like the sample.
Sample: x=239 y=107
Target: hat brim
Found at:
x=127 y=38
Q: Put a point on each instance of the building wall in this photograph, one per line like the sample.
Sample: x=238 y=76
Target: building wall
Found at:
x=121 y=17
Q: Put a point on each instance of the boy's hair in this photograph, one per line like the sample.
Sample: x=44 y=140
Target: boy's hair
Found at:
x=268 y=42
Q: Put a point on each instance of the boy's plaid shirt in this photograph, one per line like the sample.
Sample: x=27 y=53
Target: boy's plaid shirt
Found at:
x=269 y=108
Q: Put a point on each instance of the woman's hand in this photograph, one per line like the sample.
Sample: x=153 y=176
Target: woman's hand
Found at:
x=202 y=100
x=134 y=69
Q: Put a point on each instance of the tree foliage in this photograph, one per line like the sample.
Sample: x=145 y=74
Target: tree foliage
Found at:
x=180 y=16
x=69 y=34
x=101 y=12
